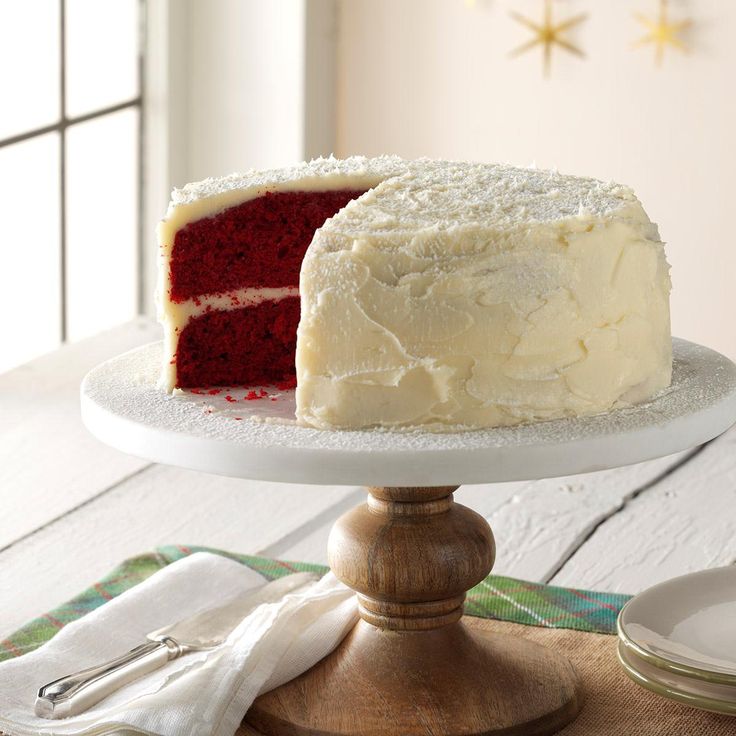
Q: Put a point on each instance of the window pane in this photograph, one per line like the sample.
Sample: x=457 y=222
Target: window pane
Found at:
x=29 y=60
x=102 y=196
x=30 y=312
x=101 y=53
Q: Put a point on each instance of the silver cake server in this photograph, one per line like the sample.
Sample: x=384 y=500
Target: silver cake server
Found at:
x=73 y=694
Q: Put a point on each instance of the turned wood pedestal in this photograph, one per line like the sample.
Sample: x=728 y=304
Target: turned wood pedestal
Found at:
x=410 y=667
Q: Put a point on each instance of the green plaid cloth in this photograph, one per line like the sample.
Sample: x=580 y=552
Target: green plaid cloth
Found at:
x=505 y=599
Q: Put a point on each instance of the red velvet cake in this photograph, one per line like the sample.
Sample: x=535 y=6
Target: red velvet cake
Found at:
x=229 y=278
x=405 y=293
x=256 y=247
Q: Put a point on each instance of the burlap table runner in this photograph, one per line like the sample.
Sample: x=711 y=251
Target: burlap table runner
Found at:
x=614 y=704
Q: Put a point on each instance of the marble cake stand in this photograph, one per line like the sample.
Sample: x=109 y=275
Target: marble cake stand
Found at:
x=410 y=667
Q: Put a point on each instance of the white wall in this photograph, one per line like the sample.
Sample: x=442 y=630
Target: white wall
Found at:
x=433 y=77
x=244 y=93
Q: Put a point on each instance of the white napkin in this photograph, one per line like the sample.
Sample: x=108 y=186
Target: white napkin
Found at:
x=200 y=693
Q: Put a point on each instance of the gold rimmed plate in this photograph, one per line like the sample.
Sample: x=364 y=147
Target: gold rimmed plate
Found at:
x=696 y=693
x=685 y=627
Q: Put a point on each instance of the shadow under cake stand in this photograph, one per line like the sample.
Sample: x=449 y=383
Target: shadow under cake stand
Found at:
x=410 y=666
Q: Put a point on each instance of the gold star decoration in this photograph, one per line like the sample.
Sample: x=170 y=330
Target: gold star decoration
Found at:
x=662 y=32
x=548 y=34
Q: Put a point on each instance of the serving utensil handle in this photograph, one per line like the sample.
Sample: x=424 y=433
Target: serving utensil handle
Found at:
x=73 y=694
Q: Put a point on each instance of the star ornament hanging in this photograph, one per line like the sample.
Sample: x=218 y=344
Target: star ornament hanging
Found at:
x=548 y=34
x=662 y=32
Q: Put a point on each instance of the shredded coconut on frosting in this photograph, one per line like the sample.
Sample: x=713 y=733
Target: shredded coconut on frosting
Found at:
x=460 y=294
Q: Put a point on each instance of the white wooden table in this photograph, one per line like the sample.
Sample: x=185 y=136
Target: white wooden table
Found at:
x=72 y=508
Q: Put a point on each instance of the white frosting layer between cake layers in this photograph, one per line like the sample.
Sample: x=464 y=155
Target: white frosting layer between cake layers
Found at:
x=179 y=314
x=466 y=296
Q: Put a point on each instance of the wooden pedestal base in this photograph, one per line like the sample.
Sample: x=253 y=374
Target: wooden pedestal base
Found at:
x=410 y=667
x=448 y=681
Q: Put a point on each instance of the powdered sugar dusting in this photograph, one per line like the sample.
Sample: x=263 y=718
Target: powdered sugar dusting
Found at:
x=126 y=388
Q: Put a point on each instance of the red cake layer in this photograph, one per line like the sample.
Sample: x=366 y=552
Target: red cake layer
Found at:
x=242 y=347
x=258 y=243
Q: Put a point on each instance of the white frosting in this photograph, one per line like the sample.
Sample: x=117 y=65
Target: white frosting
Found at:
x=471 y=296
x=461 y=295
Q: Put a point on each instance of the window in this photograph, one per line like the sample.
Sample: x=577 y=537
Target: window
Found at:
x=70 y=170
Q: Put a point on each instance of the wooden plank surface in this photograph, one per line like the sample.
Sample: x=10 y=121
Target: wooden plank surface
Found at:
x=158 y=506
x=541 y=526
x=685 y=523
x=49 y=463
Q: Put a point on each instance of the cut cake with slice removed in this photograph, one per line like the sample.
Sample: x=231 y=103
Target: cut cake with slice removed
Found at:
x=441 y=294
x=230 y=251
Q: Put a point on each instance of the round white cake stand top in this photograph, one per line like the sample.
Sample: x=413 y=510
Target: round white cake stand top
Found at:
x=252 y=435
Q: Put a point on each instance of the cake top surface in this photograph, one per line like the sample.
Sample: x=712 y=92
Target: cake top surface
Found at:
x=425 y=193
x=356 y=168
x=443 y=195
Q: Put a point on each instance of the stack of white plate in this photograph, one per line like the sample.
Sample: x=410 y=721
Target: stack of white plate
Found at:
x=678 y=639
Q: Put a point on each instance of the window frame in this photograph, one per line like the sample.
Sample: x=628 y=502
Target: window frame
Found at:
x=62 y=124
